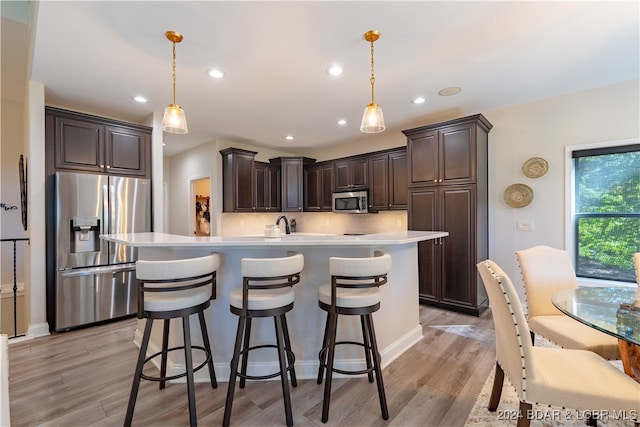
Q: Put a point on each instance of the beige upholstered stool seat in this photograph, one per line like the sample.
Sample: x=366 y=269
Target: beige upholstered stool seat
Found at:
x=263 y=299
x=174 y=289
x=350 y=297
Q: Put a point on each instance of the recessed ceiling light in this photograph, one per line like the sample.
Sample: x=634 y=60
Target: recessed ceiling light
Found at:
x=139 y=98
x=334 y=70
x=216 y=73
x=448 y=91
x=419 y=100
x=289 y=137
x=342 y=122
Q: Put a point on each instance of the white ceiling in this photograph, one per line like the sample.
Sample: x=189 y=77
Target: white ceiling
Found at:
x=94 y=56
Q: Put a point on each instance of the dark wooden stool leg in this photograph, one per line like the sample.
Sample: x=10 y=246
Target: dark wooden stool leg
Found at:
x=207 y=346
x=287 y=344
x=496 y=390
x=139 y=367
x=283 y=370
x=165 y=345
x=234 y=372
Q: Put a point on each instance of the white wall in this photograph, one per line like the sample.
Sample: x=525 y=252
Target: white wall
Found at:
x=13 y=145
x=543 y=129
x=203 y=161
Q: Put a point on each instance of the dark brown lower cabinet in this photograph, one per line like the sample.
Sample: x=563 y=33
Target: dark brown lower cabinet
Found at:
x=447 y=266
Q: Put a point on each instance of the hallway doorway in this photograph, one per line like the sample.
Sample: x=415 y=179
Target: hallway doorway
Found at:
x=200 y=215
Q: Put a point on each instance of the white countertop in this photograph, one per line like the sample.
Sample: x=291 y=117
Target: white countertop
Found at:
x=153 y=239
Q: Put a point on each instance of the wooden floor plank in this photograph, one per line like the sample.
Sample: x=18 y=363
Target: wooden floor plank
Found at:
x=83 y=378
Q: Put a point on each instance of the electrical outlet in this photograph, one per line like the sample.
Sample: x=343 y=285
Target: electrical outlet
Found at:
x=524 y=225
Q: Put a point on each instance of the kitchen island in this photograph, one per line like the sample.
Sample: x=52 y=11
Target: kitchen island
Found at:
x=397 y=322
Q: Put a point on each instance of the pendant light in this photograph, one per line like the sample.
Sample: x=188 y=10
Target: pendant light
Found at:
x=174 y=120
x=372 y=120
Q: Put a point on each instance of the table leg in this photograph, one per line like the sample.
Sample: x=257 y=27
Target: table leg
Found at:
x=630 y=355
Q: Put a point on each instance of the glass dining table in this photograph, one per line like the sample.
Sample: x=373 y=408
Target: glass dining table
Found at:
x=610 y=310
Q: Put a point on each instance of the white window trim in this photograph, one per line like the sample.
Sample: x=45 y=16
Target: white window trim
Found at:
x=569 y=238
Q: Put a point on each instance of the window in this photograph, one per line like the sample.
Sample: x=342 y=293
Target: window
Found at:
x=607 y=211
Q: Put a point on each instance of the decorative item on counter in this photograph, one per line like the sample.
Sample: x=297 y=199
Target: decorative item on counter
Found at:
x=272 y=231
x=535 y=167
x=293 y=225
x=518 y=195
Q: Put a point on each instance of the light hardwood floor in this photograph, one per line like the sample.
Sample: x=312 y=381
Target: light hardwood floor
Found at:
x=83 y=378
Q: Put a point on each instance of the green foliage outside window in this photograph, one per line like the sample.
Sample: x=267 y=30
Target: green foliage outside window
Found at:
x=607 y=212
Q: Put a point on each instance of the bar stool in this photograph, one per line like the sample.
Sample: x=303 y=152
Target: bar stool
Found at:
x=168 y=290
x=354 y=291
x=266 y=292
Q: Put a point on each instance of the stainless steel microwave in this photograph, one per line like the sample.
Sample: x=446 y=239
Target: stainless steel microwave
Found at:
x=351 y=202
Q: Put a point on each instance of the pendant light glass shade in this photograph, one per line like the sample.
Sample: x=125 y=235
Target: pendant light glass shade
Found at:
x=372 y=120
x=174 y=120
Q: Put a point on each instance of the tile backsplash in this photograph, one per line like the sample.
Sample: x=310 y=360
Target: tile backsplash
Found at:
x=239 y=224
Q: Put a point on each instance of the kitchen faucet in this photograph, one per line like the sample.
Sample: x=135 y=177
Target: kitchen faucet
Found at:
x=287 y=230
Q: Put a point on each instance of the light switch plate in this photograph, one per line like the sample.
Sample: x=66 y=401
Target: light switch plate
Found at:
x=524 y=225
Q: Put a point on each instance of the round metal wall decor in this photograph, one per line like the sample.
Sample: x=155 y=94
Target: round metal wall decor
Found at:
x=518 y=195
x=535 y=167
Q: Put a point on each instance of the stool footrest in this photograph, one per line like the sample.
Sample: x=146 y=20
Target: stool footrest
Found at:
x=322 y=356
x=183 y=374
x=291 y=358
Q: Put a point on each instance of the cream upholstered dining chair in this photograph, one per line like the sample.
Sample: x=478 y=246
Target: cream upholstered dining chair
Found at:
x=577 y=379
x=545 y=271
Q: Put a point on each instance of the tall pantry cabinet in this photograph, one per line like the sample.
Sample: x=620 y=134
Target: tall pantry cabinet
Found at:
x=447 y=169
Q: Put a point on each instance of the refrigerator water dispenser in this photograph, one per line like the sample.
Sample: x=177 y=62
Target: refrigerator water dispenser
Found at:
x=84 y=234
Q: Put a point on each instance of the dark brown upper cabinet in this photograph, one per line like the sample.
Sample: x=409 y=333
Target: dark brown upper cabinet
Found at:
x=445 y=153
x=87 y=143
x=388 y=180
x=351 y=173
x=319 y=187
x=292 y=181
x=238 y=180
x=267 y=187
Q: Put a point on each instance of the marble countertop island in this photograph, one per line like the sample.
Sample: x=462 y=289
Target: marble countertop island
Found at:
x=152 y=239
x=397 y=322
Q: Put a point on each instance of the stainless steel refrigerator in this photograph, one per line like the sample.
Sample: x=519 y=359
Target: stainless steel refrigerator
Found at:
x=95 y=279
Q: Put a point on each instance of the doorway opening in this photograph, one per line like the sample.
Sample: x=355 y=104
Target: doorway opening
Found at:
x=201 y=207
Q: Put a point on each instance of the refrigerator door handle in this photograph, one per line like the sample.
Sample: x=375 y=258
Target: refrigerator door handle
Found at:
x=98 y=270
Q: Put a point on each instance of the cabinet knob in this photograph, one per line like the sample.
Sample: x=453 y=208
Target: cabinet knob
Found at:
x=108 y=166
x=440 y=180
x=101 y=166
x=435 y=180
x=389 y=204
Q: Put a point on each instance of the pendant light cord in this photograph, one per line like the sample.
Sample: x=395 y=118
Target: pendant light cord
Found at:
x=373 y=78
x=174 y=73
